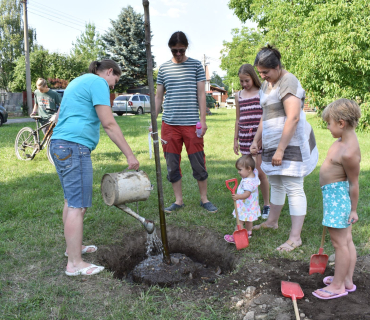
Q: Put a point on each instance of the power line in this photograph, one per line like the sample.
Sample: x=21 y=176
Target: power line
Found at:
x=61 y=13
x=50 y=16
x=43 y=7
x=59 y=16
x=54 y=20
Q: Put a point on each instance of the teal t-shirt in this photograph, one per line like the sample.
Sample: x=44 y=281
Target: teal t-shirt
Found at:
x=47 y=104
x=78 y=121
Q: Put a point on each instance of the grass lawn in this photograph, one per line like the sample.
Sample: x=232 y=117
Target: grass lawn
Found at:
x=32 y=280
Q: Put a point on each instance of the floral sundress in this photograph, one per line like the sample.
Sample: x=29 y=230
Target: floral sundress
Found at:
x=249 y=209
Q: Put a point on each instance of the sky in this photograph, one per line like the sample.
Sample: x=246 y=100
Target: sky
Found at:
x=206 y=23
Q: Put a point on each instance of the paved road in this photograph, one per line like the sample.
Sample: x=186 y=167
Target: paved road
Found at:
x=20 y=120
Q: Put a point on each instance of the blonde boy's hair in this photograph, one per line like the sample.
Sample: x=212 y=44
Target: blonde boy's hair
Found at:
x=41 y=82
x=245 y=161
x=343 y=109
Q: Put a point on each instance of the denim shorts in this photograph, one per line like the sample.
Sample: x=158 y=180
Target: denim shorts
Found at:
x=73 y=164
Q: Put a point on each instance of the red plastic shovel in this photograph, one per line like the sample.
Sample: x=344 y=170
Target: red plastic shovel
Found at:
x=240 y=235
x=319 y=261
x=292 y=290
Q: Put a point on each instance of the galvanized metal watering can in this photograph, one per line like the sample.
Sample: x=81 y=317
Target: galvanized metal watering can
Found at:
x=125 y=187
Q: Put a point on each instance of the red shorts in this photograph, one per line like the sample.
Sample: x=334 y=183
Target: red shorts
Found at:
x=176 y=136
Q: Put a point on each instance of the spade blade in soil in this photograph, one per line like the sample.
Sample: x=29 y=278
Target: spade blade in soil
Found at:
x=291 y=289
x=241 y=238
x=318 y=263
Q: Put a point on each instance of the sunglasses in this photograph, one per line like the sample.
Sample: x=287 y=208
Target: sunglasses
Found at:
x=174 y=51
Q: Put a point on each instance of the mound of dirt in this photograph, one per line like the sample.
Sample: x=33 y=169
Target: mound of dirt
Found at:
x=252 y=286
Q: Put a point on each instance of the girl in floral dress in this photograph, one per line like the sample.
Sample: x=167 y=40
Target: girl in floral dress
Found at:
x=246 y=196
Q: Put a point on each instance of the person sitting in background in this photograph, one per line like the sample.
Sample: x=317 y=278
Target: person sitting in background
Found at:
x=47 y=102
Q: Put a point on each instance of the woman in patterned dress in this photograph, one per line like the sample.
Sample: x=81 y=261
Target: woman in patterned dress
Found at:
x=289 y=151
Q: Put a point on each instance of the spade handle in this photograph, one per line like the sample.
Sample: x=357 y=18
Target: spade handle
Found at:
x=323 y=237
x=235 y=181
x=296 y=308
x=236 y=215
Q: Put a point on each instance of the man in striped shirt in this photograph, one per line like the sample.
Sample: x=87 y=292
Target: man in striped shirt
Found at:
x=183 y=80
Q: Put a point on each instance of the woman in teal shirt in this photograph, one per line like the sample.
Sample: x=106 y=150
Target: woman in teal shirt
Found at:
x=85 y=106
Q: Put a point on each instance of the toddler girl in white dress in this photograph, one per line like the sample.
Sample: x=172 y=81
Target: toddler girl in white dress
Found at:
x=246 y=196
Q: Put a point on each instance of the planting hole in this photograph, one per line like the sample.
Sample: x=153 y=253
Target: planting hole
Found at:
x=196 y=256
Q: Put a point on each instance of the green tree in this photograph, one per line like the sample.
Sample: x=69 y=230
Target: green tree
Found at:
x=242 y=49
x=11 y=39
x=45 y=65
x=89 y=46
x=215 y=78
x=324 y=43
x=125 y=43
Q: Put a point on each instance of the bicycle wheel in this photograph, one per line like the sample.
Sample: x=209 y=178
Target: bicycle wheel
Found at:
x=48 y=152
x=25 y=144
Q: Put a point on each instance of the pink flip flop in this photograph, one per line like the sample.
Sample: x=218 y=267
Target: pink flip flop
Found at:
x=229 y=238
x=332 y=294
x=329 y=279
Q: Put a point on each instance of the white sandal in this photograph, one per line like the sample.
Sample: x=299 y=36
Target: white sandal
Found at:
x=84 y=250
x=83 y=272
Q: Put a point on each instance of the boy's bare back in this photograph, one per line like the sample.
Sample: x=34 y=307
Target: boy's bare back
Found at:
x=343 y=160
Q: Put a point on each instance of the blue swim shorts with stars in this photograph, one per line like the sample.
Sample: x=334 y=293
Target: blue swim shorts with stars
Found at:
x=337 y=205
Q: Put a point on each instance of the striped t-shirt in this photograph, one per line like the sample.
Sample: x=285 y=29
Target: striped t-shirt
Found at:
x=180 y=80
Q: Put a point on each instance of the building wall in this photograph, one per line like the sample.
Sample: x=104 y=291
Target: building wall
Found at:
x=219 y=97
x=13 y=102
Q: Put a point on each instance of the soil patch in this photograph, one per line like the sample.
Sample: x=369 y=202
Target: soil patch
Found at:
x=250 y=286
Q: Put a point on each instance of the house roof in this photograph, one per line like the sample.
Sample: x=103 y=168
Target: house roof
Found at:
x=217 y=88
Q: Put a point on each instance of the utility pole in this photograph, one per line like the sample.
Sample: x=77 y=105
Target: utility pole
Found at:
x=27 y=57
x=205 y=64
x=205 y=61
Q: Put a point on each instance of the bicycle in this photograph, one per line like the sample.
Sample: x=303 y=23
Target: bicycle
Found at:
x=28 y=144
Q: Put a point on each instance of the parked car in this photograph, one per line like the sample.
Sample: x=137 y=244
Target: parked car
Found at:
x=3 y=115
x=211 y=102
x=60 y=91
x=230 y=102
x=131 y=103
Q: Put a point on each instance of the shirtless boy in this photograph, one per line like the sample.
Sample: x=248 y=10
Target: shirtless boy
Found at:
x=339 y=183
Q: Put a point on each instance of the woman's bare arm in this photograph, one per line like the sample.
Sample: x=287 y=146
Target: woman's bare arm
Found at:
x=292 y=108
x=236 y=134
x=201 y=89
x=115 y=134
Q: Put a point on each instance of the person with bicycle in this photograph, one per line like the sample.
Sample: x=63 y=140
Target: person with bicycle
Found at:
x=46 y=104
x=85 y=105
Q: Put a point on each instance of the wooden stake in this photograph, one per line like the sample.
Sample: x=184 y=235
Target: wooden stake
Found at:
x=149 y=60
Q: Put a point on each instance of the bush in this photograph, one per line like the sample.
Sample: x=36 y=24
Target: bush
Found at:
x=364 y=122
x=24 y=109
